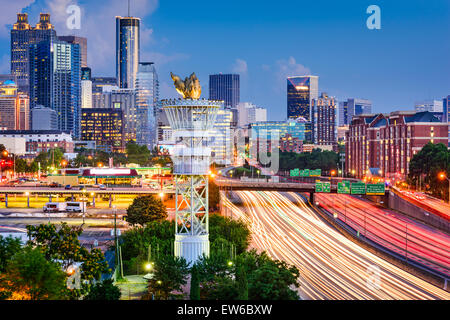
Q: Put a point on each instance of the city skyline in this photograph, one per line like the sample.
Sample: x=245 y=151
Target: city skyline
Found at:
x=386 y=73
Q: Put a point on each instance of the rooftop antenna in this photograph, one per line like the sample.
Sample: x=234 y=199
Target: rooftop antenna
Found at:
x=129 y=8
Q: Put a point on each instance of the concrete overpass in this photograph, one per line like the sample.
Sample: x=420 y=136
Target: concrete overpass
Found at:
x=300 y=187
x=30 y=191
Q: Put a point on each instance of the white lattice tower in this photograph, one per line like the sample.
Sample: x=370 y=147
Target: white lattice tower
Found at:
x=191 y=121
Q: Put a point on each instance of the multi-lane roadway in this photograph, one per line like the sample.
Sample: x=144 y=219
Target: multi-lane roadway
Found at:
x=331 y=266
x=413 y=240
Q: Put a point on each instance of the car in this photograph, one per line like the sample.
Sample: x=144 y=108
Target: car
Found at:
x=102 y=187
x=68 y=187
x=53 y=185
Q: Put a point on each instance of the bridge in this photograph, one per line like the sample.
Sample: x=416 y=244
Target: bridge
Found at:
x=300 y=187
x=29 y=191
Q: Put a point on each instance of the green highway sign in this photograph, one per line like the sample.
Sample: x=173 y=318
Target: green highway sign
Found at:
x=324 y=187
x=315 y=173
x=376 y=189
x=343 y=187
x=304 y=173
x=358 y=188
x=295 y=173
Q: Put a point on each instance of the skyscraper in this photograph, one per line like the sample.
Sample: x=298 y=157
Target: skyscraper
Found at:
x=55 y=81
x=14 y=107
x=324 y=110
x=127 y=51
x=301 y=91
x=86 y=88
x=353 y=107
x=22 y=36
x=225 y=87
x=147 y=97
x=83 y=47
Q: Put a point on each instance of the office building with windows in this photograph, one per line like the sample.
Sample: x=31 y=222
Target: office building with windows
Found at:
x=249 y=113
x=86 y=88
x=127 y=51
x=14 y=107
x=105 y=127
x=324 y=120
x=82 y=42
x=225 y=87
x=386 y=143
x=147 y=100
x=220 y=140
x=43 y=118
x=353 y=107
x=23 y=35
x=429 y=105
x=55 y=81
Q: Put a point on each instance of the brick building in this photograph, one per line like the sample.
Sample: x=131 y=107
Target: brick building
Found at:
x=288 y=143
x=387 y=142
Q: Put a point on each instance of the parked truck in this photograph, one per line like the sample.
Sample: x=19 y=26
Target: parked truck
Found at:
x=55 y=207
x=76 y=206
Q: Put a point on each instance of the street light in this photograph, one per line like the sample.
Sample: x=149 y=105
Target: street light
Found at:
x=443 y=176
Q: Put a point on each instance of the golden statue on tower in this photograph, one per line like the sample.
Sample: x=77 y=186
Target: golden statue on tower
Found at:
x=189 y=88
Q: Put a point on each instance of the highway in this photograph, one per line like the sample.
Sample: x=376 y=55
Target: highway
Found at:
x=425 y=200
x=400 y=234
x=331 y=266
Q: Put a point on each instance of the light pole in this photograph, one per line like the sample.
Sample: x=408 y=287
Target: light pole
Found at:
x=443 y=176
x=115 y=233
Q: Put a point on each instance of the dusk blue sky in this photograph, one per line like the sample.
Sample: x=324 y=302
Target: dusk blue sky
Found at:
x=265 y=41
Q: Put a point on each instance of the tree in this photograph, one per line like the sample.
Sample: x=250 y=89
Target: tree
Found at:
x=213 y=195
x=235 y=232
x=242 y=283
x=195 y=284
x=269 y=279
x=426 y=165
x=137 y=154
x=31 y=276
x=105 y=290
x=8 y=247
x=146 y=209
x=62 y=245
x=170 y=274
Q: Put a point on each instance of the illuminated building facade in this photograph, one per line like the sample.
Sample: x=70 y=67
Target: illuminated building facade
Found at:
x=105 y=127
x=147 y=98
x=388 y=142
x=14 y=107
x=220 y=140
x=324 y=110
x=127 y=51
x=82 y=42
x=55 y=81
x=301 y=91
x=86 y=88
x=22 y=36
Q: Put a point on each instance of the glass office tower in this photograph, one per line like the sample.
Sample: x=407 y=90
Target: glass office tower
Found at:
x=147 y=97
x=127 y=51
x=22 y=36
x=225 y=87
x=301 y=91
x=55 y=81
